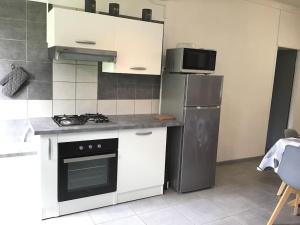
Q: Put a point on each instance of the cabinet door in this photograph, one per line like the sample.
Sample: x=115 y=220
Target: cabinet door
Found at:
x=139 y=47
x=80 y=29
x=141 y=159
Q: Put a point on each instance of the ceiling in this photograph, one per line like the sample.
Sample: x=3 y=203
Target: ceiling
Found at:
x=290 y=2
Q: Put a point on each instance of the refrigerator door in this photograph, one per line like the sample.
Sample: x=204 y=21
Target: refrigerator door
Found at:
x=203 y=90
x=199 y=152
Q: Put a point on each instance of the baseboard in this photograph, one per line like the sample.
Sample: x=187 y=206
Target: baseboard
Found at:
x=228 y=162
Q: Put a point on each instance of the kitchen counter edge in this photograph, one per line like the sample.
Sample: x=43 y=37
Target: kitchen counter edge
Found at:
x=46 y=126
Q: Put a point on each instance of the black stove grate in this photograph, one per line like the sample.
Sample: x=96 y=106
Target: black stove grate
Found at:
x=73 y=120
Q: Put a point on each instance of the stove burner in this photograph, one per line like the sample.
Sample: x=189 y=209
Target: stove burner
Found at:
x=72 y=120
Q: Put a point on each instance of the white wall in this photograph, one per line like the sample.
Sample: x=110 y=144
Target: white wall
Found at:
x=289 y=30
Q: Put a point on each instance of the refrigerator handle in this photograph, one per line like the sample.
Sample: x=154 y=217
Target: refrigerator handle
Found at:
x=208 y=107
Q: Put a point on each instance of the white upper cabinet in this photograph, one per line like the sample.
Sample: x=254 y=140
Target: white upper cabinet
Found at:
x=138 y=43
x=139 y=47
x=80 y=29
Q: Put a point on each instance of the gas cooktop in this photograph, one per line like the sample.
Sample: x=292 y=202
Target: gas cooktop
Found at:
x=72 y=120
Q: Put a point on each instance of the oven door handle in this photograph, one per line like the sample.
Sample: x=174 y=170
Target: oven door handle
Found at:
x=88 y=158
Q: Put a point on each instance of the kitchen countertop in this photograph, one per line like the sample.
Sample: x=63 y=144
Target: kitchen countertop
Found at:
x=46 y=126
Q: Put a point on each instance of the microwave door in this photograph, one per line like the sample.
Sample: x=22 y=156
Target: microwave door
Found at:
x=203 y=90
x=198 y=60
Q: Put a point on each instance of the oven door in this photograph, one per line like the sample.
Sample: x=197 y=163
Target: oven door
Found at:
x=86 y=176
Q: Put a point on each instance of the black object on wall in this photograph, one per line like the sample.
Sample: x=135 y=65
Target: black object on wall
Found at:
x=282 y=94
x=114 y=9
x=147 y=14
x=90 y=6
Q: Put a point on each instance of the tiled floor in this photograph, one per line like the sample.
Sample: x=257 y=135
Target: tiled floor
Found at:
x=242 y=196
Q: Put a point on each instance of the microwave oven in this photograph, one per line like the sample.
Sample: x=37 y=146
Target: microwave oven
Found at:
x=189 y=60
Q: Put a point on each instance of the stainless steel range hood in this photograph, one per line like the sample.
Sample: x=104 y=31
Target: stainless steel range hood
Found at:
x=83 y=54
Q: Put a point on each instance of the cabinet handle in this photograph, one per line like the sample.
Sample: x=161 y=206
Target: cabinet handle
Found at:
x=49 y=149
x=138 y=68
x=86 y=42
x=143 y=133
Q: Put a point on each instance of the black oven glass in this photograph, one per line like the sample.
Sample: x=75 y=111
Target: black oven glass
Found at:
x=87 y=168
x=199 y=59
x=88 y=174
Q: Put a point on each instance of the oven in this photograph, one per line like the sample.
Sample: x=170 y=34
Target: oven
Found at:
x=87 y=168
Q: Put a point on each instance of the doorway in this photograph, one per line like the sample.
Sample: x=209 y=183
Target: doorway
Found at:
x=282 y=94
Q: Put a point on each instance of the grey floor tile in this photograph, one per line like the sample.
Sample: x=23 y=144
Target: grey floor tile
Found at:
x=111 y=213
x=232 y=203
x=148 y=205
x=73 y=219
x=168 y=216
x=201 y=211
x=255 y=216
x=226 y=221
x=134 y=220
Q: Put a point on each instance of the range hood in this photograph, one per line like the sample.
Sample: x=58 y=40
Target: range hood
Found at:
x=83 y=54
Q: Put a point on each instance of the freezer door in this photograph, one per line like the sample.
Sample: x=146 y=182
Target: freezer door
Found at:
x=199 y=152
x=203 y=90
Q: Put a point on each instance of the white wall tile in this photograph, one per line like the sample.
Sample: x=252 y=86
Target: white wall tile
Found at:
x=39 y=108
x=86 y=91
x=64 y=72
x=13 y=109
x=142 y=106
x=107 y=107
x=125 y=107
x=155 y=106
x=86 y=73
x=86 y=106
x=61 y=107
x=63 y=90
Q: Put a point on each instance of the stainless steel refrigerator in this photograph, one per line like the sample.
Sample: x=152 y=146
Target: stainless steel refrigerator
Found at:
x=192 y=149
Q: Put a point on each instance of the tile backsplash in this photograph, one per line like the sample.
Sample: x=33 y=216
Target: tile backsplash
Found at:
x=62 y=87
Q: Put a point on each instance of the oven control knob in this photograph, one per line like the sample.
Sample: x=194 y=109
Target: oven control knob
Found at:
x=81 y=148
x=90 y=146
x=99 y=146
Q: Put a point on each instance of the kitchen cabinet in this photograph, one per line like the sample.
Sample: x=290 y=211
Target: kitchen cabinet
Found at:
x=79 y=29
x=138 y=43
x=141 y=163
x=139 y=47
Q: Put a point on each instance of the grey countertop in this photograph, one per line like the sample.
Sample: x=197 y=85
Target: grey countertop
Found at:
x=45 y=126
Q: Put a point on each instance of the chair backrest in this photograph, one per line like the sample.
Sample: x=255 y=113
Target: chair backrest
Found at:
x=289 y=168
x=291 y=133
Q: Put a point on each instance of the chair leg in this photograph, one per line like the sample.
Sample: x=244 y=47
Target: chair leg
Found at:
x=281 y=189
x=296 y=204
x=280 y=205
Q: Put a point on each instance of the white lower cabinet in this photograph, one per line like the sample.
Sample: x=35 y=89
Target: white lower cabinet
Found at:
x=141 y=162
